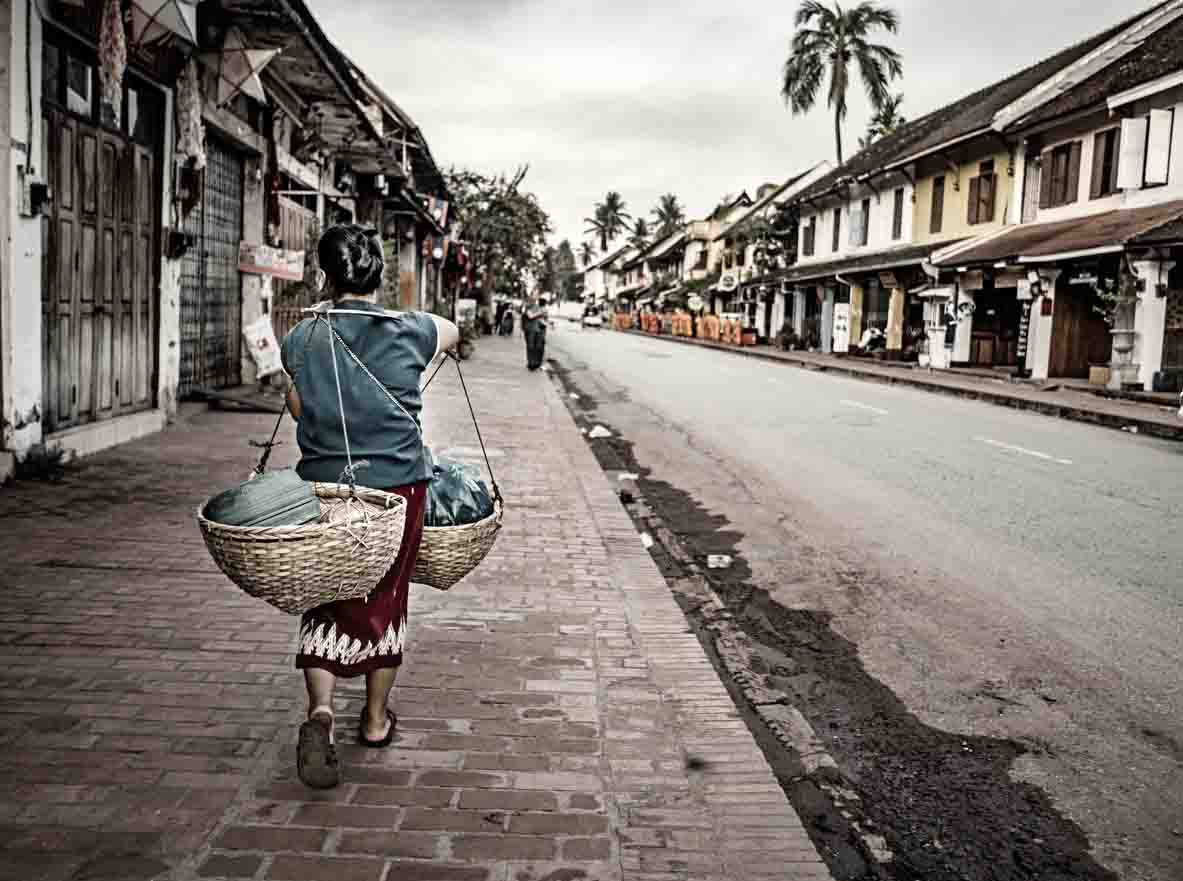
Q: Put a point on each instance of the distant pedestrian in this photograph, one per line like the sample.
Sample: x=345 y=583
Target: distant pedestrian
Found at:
x=363 y=637
x=534 y=323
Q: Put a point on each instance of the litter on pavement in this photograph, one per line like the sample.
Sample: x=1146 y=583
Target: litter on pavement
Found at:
x=718 y=561
x=599 y=432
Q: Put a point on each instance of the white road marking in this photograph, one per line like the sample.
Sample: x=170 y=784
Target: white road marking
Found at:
x=859 y=406
x=1024 y=451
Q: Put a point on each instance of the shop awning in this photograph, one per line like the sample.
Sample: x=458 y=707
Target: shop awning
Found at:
x=1108 y=232
x=909 y=256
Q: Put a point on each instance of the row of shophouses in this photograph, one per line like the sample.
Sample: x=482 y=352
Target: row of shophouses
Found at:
x=1033 y=226
x=168 y=167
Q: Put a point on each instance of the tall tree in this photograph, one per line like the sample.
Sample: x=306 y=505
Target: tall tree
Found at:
x=610 y=218
x=640 y=236
x=587 y=253
x=668 y=214
x=566 y=272
x=505 y=229
x=827 y=42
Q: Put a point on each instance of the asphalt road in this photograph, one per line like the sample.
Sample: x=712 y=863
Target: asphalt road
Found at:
x=1003 y=573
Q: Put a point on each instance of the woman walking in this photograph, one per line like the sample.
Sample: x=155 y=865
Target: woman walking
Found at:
x=362 y=637
x=534 y=321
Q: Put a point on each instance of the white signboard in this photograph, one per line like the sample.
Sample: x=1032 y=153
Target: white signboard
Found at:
x=260 y=341
x=841 y=327
x=695 y=303
x=729 y=281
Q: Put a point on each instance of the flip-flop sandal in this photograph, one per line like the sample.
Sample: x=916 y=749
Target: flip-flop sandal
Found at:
x=376 y=744
x=316 y=757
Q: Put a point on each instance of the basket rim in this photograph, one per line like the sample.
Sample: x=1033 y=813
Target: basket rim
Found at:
x=393 y=504
x=496 y=516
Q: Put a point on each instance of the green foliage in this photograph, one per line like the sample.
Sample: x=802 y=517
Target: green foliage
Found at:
x=668 y=215
x=609 y=219
x=504 y=227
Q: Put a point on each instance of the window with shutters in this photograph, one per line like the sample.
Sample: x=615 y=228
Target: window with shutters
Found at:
x=809 y=237
x=937 y=218
x=864 y=235
x=1060 y=177
x=837 y=229
x=1106 y=147
x=982 y=192
x=897 y=216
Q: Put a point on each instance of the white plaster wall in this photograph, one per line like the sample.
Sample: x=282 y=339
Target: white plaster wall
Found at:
x=169 y=310
x=20 y=322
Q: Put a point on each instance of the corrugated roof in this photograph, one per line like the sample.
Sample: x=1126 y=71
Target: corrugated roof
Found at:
x=970 y=114
x=1034 y=240
x=1159 y=55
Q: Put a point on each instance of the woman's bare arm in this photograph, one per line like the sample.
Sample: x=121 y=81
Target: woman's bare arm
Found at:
x=295 y=406
x=447 y=333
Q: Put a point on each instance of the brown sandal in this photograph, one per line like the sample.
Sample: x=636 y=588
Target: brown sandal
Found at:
x=316 y=756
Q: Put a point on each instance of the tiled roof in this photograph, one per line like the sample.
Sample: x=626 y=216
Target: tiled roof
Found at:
x=1159 y=55
x=1115 y=229
x=970 y=114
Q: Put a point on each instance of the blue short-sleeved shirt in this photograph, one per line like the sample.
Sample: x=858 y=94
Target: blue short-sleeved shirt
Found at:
x=396 y=350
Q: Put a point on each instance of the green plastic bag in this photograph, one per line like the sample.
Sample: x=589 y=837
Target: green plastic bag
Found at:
x=456 y=495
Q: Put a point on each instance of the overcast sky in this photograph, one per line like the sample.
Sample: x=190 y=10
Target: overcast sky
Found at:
x=655 y=96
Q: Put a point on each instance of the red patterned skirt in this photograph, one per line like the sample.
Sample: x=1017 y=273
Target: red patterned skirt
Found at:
x=353 y=637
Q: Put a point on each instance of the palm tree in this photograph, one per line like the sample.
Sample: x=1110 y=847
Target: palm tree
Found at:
x=640 y=236
x=586 y=253
x=826 y=42
x=886 y=119
x=668 y=214
x=610 y=218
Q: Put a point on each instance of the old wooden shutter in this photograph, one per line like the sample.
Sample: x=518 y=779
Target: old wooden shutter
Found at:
x=897 y=218
x=1045 y=179
x=837 y=228
x=1073 y=173
x=1158 y=146
x=1114 y=160
x=1133 y=153
x=975 y=198
x=865 y=234
x=1097 y=185
x=938 y=204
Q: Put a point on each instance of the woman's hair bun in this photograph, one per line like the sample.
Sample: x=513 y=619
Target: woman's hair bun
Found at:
x=351 y=256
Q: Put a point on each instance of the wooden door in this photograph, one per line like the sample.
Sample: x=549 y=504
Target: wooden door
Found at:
x=99 y=277
x=1080 y=337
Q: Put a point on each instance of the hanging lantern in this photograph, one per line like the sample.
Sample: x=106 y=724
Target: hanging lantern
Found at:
x=153 y=20
x=112 y=58
x=238 y=67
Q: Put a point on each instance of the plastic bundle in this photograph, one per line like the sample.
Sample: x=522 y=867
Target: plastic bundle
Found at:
x=456 y=495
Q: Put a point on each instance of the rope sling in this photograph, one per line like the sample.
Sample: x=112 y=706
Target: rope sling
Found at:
x=446 y=553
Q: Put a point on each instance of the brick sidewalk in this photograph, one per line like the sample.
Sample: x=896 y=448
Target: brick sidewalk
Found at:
x=547 y=706
x=1066 y=402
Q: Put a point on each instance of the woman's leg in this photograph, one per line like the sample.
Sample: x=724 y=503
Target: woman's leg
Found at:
x=378 y=686
x=320 y=685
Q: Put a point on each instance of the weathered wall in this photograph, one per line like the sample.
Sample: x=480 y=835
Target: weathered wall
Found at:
x=20 y=323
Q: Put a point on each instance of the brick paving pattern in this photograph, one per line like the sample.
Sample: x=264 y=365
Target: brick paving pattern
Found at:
x=547 y=707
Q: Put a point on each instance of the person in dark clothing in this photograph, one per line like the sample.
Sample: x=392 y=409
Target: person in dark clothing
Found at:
x=534 y=322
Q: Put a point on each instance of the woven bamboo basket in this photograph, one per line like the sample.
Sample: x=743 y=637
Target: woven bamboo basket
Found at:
x=448 y=553
x=297 y=568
